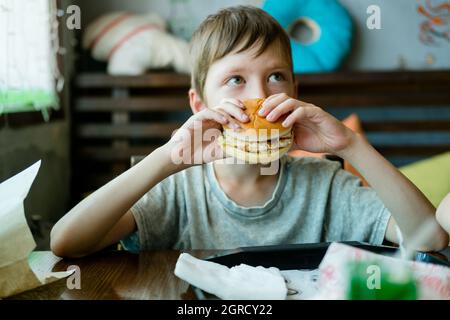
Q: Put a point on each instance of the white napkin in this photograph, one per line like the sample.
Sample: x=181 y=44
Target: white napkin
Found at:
x=17 y=274
x=241 y=282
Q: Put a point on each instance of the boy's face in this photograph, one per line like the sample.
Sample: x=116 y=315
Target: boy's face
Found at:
x=244 y=76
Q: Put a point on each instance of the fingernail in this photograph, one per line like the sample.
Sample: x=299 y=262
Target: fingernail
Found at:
x=270 y=116
x=224 y=119
x=261 y=112
x=244 y=117
x=235 y=126
x=285 y=124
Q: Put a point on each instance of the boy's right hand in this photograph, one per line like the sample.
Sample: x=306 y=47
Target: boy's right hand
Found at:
x=196 y=143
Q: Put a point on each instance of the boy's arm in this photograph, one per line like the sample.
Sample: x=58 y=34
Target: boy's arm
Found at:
x=317 y=131
x=443 y=213
x=409 y=207
x=104 y=217
x=99 y=220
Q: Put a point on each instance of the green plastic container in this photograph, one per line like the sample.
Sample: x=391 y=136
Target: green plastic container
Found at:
x=376 y=281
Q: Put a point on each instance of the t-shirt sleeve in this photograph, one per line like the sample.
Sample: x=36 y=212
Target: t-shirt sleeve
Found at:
x=156 y=219
x=355 y=213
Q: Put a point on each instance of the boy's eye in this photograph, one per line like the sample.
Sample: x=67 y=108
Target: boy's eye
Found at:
x=277 y=77
x=235 y=80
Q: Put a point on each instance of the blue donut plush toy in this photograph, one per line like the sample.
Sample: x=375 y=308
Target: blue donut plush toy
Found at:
x=331 y=28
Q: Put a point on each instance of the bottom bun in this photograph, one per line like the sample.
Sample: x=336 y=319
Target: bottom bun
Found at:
x=251 y=157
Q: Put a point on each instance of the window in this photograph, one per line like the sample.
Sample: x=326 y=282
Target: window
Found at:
x=29 y=74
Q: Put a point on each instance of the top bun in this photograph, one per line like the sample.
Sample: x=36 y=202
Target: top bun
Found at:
x=251 y=130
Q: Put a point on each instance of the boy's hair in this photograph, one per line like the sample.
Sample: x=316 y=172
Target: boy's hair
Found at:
x=231 y=29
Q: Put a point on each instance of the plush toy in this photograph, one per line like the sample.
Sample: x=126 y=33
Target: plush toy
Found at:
x=132 y=44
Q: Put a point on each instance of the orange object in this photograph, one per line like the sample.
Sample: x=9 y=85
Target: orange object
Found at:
x=440 y=7
x=437 y=20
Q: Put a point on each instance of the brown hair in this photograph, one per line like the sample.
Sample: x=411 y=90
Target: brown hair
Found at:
x=230 y=29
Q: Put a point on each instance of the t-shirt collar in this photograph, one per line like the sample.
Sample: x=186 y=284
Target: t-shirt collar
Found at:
x=232 y=207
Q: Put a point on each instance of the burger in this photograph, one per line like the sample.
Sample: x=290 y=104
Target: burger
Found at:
x=259 y=140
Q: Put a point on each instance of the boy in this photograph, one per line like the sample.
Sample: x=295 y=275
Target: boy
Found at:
x=243 y=53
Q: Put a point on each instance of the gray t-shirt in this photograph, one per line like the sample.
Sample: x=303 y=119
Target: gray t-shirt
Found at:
x=314 y=201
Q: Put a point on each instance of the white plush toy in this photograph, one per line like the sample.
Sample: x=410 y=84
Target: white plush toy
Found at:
x=132 y=44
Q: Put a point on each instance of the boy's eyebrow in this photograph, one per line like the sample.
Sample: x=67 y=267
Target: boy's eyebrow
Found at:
x=235 y=70
x=277 y=65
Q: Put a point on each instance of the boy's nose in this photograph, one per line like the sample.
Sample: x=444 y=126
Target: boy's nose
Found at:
x=258 y=91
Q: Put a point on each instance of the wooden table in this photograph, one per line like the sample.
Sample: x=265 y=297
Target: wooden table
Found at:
x=121 y=275
x=115 y=275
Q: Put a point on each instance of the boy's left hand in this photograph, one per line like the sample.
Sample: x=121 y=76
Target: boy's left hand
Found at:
x=314 y=129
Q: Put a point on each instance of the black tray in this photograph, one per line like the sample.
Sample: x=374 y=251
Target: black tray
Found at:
x=297 y=256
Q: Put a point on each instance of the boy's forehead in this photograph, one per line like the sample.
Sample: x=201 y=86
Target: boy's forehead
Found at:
x=271 y=58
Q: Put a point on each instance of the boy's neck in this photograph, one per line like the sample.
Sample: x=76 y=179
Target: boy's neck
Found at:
x=244 y=183
x=240 y=173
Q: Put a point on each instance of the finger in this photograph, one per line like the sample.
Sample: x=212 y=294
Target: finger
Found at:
x=283 y=108
x=267 y=102
x=238 y=103
x=270 y=98
x=270 y=103
x=235 y=112
x=294 y=117
x=305 y=104
x=232 y=123
x=208 y=114
x=299 y=114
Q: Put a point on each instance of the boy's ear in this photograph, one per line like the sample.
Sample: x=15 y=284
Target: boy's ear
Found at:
x=195 y=101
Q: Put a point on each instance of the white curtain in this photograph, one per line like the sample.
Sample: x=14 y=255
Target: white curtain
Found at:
x=29 y=73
